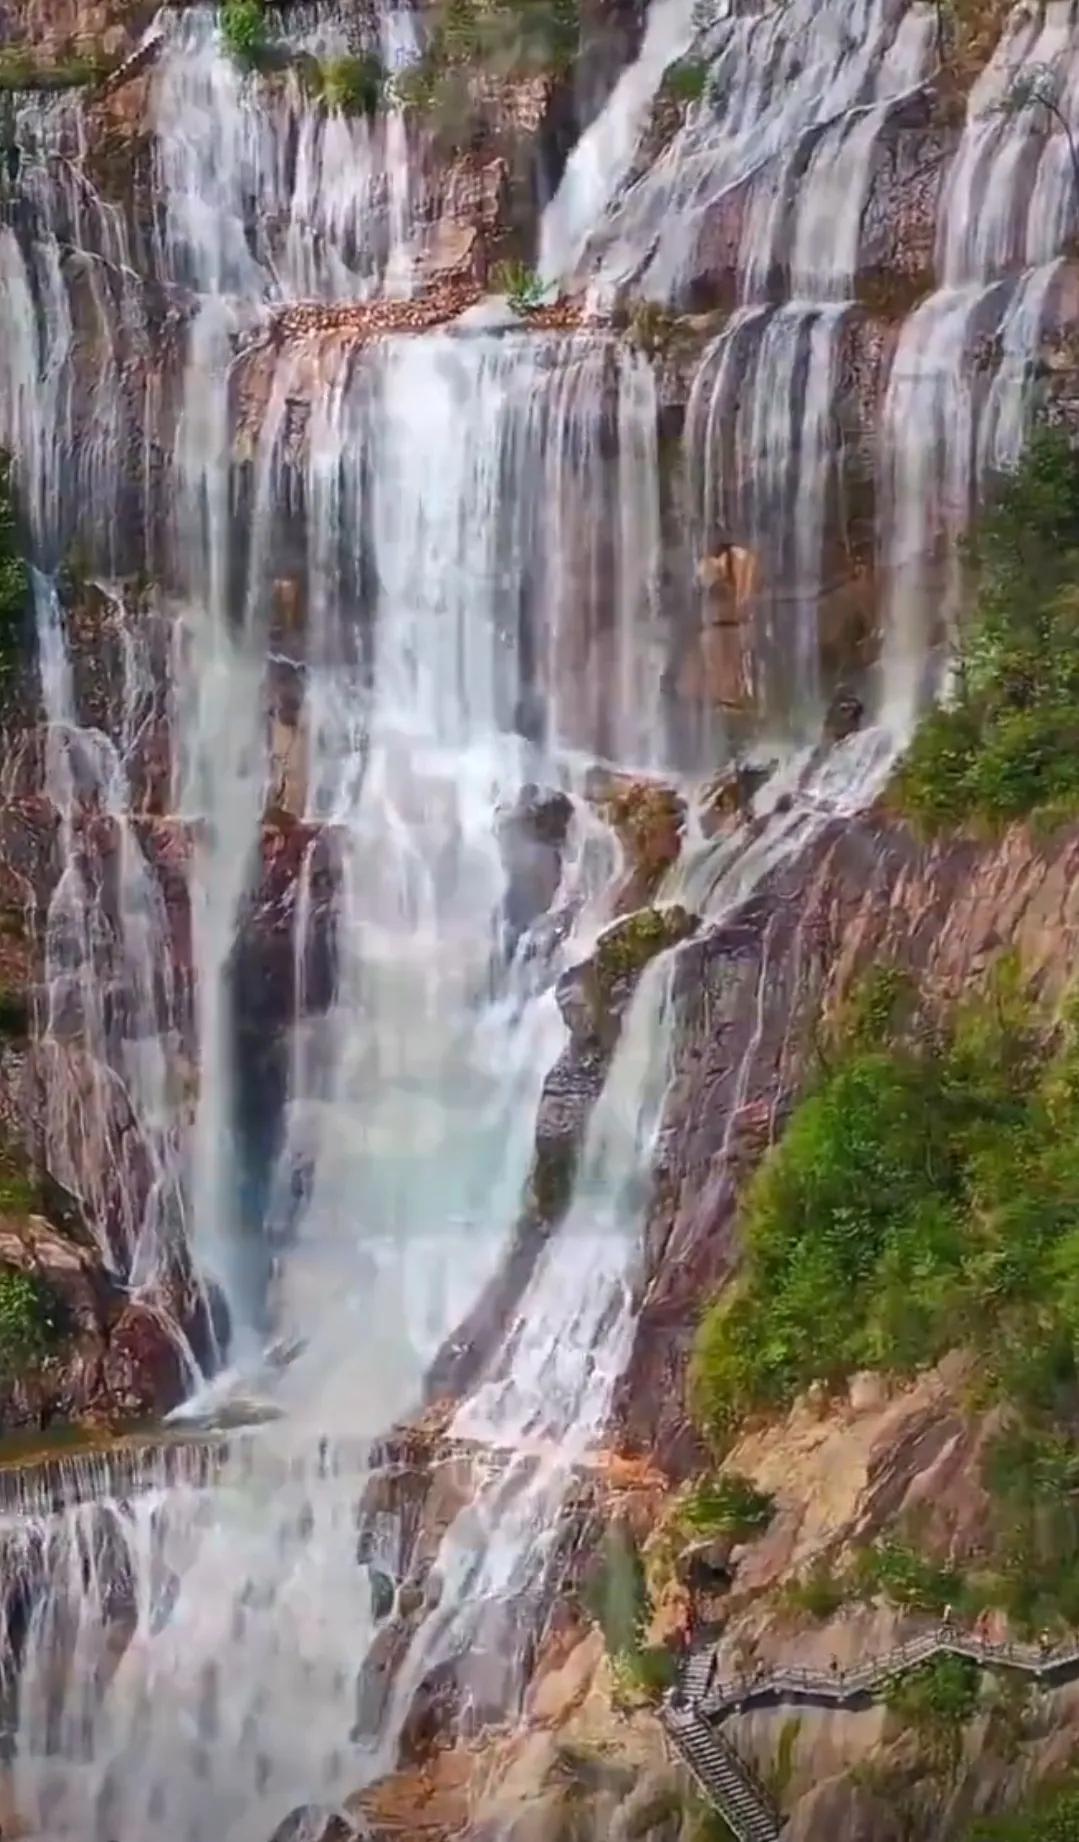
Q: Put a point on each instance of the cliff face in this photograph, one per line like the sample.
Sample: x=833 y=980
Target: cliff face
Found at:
x=751 y=997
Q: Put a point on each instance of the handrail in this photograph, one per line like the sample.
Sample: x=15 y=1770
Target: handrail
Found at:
x=844 y=1683
x=683 y=1711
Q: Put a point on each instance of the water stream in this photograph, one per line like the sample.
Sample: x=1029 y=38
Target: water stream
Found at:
x=296 y=1017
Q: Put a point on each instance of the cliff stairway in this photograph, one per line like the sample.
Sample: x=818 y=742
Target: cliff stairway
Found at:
x=692 y=1712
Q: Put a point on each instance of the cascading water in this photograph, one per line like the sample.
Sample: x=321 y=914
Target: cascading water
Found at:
x=958 y=400
x=404 y=582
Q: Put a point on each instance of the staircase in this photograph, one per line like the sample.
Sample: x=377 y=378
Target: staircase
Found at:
x=724 y=1778
x=691 y=1715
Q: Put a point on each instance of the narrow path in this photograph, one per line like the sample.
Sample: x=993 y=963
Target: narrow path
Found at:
x=694 y=1710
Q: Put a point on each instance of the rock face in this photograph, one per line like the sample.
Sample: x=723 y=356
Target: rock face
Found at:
x=749 y=995
x=113 y=1357
x=593 y=998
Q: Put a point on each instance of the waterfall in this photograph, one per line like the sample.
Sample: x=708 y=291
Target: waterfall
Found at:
x=782 y=85
x=959 y=397
x=267 y=191
x=295 y=1016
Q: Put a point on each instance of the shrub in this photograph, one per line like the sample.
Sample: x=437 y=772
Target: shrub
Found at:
x=819 y=1593
x=30 y=1321
x=646 y=1672
x=521 y=285
x=728 y=1505
x=898 y=1216
x=352 y=85
x=243 y=27
x=1053 y=1816
x=936 y=1701
x=1008 y=745
x=617 y=1596
x=686 y=80
x=896 y=1571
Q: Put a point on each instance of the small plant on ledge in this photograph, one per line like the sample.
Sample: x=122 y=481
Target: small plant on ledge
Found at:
x=728 y=1505
x=353 y=85
x=31 y=1321
x=76 y=69
x=687 y=80
x=521 y=286
x=243 y=28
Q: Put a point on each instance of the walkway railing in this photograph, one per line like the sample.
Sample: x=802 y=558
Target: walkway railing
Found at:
x=703 y=1699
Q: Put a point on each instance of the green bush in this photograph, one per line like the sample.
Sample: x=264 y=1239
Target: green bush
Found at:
x=936 y=1701
x=352 y=85
x=31 y=1321
x=727 y=1505
x=926 y=1197
x=646 y=1671
x=819 y=1593
x=20 y=70
x=898 y=1216
x=686 y=80
x=243 y=27
x=1053 y=1816
x=1008 y=745
x=521 y=285
x=896 y=1571
x=498 y=38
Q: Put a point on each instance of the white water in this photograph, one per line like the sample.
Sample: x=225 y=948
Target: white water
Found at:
x=402 y=582
x=959 y=397
x=269 y=193
x=774 y=78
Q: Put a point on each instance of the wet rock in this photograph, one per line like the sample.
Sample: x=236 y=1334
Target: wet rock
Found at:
x=593 y=998
x=142 y=1371
x=315 y=1823
x=843 y=716
x=730 y=796
x=648 y=819
x=531 y=837
x=111 y=1358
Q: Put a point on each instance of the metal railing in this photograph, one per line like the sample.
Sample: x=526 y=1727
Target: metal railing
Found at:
x=685 y=1713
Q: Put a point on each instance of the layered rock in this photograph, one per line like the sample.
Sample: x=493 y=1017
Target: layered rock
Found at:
x=750 y=994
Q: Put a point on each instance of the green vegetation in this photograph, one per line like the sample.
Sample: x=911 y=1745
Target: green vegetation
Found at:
x=19 y=1194
x=496 y=38
x=625 y=948
x=1053 y=1816
x=521 y=285
x=727 y=1505
x=922 y=1197
x=243 y=27
x=14 y=579
x=926 y=1197
x=617 y=1598
x=936 y=1701
x=686 y=80
x=891 y=1569
x=819 y=1593
x=895 y=1570
x=20 y=70
x=352 y=85
x=31 y=1321
x=1008 y=744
